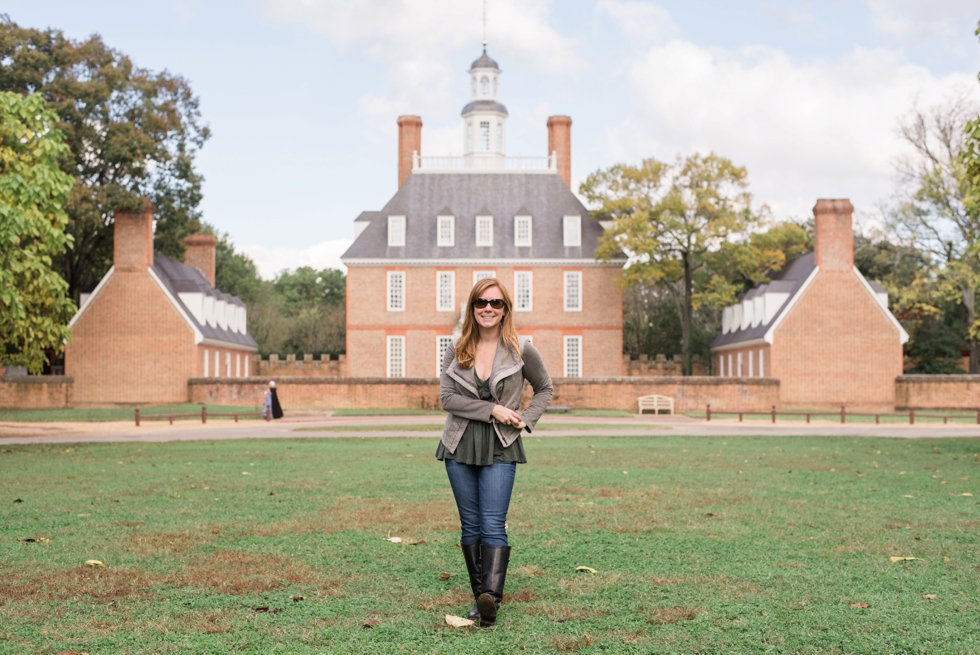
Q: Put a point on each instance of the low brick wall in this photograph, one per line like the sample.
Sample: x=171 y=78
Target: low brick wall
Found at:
x=937 y=392
x=36 y=392
x=324 y=367
x=690 y=394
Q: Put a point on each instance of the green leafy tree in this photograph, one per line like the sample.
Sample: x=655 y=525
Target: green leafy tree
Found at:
x=671 y=220
x=235 y=272
x=314 y=303
x=34 y=308
x=969 y=161
x=132 y=133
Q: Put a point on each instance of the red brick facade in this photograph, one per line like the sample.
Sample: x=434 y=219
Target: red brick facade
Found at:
x=560 y=143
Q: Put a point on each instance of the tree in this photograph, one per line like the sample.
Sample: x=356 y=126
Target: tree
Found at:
x=132 y=133
x=313 y=301
x=34 y=308
x=969 y=161
x=234 y=272
x=670 y=220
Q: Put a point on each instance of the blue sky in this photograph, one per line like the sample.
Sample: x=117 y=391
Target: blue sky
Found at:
x=302 y=95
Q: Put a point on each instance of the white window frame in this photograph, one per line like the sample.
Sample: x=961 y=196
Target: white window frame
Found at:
x=469 y=136
x=721 y=365
x=396 y=304
x=207 y=363
x=445 y=283
x=518 y=222
x=482 y=275
x=247 y=358
x=751 y=361
x=571 y=372
x=445 y=231
x=217 y=364
x=500 y=128
x=487 y=222
x=739 y=365
x=568 y=277
x=395 y=368
x=484 y=136
x=227 y=364
x=443 y=341
x=238 y=365
x=519 y=279
x=730 y=366
x=396 y=231
x=572 y=231
x=762 y=363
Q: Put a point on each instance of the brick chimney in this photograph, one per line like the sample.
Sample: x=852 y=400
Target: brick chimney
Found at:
x=132 y=248
x=409 y=141
x=199 y=252
x=560 y=142
x=833 y=234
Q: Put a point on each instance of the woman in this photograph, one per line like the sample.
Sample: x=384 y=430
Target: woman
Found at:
x=483 y=376
x=271 y=409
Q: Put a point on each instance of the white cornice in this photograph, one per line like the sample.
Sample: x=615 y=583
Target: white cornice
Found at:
x=92 y=297
x=758 y=341
x=231 y=345
x=478 y=263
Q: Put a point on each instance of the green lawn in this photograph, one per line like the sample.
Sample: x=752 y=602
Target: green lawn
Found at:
x=738 y=545
x=115 y=413
x=921 y=416
x=544 y=424
x=427 y=412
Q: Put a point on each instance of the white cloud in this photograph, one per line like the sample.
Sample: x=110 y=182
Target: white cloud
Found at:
x=642 y=22
x=914 y=21
x=804 y=131
x=270 y=261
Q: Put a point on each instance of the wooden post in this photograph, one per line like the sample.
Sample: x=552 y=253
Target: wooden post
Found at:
x=138 y=417
x=911 y=417
x=841 y=413
x=204 y=413
x=773 y=413
x=707 y=414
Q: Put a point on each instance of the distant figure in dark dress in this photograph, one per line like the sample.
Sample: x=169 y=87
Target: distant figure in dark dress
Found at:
x=272 y=408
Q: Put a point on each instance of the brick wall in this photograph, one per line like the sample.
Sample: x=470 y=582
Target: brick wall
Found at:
x=36 y=392
x=291 y=366
x=690 y=394
x=643 y=366
x=131 y=346
x=836 y=346
x=726 y=363
x=937 y=392
x=369 y=322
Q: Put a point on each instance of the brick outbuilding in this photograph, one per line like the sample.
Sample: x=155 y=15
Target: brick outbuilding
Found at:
x=818 y=326
x=152 y=323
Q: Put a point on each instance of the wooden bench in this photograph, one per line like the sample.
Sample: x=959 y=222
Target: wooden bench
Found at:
x=656 y=403
x=564 y=409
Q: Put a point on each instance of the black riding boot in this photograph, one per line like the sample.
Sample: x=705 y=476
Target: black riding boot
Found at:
x=471 y=553
x=495 y=559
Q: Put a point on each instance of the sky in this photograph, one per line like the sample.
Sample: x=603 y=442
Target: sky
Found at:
x=302 y=96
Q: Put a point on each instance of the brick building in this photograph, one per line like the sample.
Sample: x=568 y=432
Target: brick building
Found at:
x=819 y=327
x=152 y=323
x=455 y=220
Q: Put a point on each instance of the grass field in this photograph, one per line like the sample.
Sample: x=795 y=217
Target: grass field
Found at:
x=544 y=424
x=115 y=413
x=748 y=545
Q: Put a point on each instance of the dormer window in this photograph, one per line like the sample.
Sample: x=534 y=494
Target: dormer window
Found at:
x=572 y=228
x=484 y=231
x=484 y=86
x=396 y=231
x=446 y=231
x=522 y=231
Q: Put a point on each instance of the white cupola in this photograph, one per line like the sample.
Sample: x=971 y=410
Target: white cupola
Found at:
x=484 y=117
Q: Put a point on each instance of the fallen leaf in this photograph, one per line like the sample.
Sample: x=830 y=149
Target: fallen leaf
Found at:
x=71 y=652
x=902 y=559
x=94 y=563
x=907 y=496
x=968 y=494
x=370 y=623
x=18 y=500
x=458 y=622
x=444 y=575
x=799 y=566
x=929 y=596
x=945 y=559
x=35 y=540
x=175 y=495
x=261 y=609
x=216 y=531
x=83 y=515
x=296 y=599
x=860 y=606
x=272 y=493
x=395 y=540
x=245 y=473
x=586 y=568
x=275 y=611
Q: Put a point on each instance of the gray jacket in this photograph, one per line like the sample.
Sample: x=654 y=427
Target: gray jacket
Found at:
x=460 y=398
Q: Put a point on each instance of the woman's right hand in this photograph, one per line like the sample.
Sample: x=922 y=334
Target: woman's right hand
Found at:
x=507 y=416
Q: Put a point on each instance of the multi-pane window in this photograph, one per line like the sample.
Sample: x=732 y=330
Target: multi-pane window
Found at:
x=227 y=365
x=247 y=357
x=495 y=87
x=523 y=283
x=207 y=361
x=500 y=137
x=739 y=364
x=482 y=275
x=445 y=231
x=484 y=136
x=445 y=291
x=751 y=361
x=762 y=368
x=484 y=86
x=238 y=365
x=469 y=137
x=217 y=364
x=484 y=230
x=442 y=344
x=396 y=231
x=572 y=231
x=396 y=357
x=522 y=231
x=474 y=86
x=573 y=291
x=573 y=357
x=396 y=291
x=721 y=366
x=730 y=374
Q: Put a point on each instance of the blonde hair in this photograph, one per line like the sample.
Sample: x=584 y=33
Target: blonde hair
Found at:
x=466 y=346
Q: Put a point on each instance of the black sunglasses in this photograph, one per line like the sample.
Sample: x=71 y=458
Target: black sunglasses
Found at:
x=496 y=303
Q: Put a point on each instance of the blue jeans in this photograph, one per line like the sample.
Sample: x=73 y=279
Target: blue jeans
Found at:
x=482 y=497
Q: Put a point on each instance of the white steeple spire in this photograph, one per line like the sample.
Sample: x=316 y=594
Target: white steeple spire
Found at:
x=484 y=117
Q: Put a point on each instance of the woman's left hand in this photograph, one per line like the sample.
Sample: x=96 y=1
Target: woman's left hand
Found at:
x=507 y=416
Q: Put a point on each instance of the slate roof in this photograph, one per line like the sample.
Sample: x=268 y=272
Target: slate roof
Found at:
x=484 y=105
x=484 y=62
x=788 y=280
x=178 y=277
x=424 y=196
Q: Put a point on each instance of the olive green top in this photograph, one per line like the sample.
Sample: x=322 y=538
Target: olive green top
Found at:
x=479 y=445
